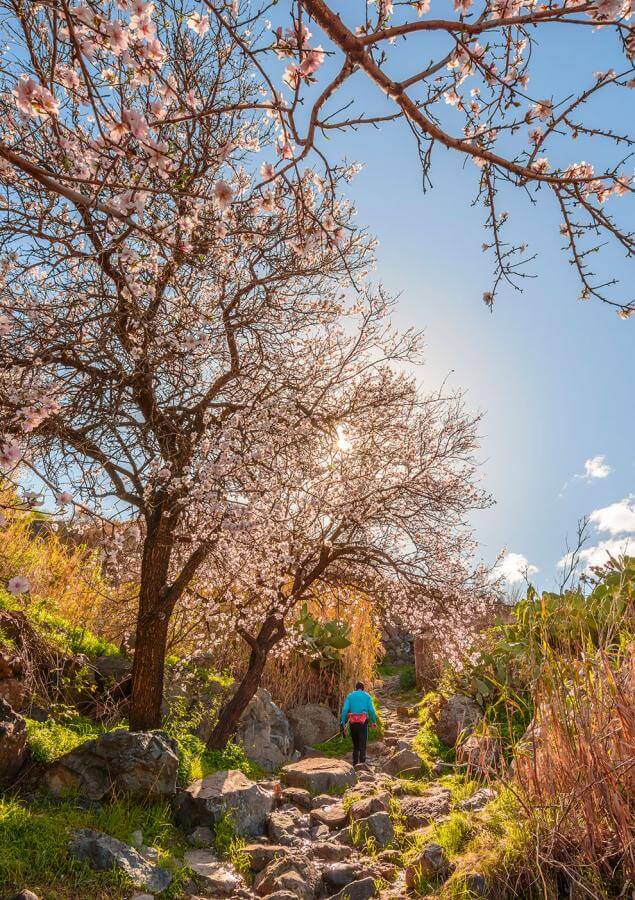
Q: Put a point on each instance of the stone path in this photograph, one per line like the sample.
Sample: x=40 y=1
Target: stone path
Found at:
x=311 y=833
x=310 y=828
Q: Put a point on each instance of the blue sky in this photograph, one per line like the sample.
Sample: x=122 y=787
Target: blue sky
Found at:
x=553 y=375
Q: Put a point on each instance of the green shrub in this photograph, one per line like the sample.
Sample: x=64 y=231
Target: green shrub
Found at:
x=546 y=628
x=69 y=637
x=407 y=678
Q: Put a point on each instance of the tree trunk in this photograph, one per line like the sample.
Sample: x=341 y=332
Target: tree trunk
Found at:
x=229 y=716
x=153 y=619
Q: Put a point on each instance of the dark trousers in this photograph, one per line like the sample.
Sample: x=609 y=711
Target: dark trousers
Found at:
x=359 y=737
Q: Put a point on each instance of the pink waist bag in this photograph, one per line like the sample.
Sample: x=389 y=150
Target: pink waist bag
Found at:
x=357 y=718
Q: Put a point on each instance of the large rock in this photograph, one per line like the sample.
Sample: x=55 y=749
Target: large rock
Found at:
x=265 y=732
x=12 y=691
x=13 y=736
x=212 y=875
x=365 y=807
x=205 y=801
x=457 y=718
x=420 y=811
x=478 y=800
x=312 y=724
x=138 y=764
x=402 y=761
x=261 y=855
x=333 y=816
x=431 y=862
x=338 y=875
x=379 y=827
x=294 y=873
x=358 y=890
x=319 y=774
x=114 y=667
x=104 y=853
x=288 y=825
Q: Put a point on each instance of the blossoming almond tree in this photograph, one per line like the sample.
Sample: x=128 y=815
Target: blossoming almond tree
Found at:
x=369 y=491
x=85 y=82
x=152 y=284
x=461 y=79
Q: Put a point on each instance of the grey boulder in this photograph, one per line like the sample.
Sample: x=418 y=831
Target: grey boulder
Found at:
x=420 y=811
x=138 y=764
x=457 y=718
x=294 y=873
x=319 y=774
x=205 y=801
x=338 y=875
x=104 y=853
x=358 y=890
x=312 y=724
x=265 y=732
x=379 y=827
x=212 y=875
x=402 y=761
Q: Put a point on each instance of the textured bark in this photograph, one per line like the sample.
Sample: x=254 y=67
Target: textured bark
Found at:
x=229 y=716
x=151 y=630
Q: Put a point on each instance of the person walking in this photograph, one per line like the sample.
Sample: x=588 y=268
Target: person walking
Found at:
x=357 y=711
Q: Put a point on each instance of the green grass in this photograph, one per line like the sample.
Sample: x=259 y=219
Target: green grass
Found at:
x=196 y=761
x=229 y=845
x=389 y=669
x=69 y=637
x=34 y=841
x=49 y=740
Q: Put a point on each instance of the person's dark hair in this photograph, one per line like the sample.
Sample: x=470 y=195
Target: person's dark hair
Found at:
x=359 y=686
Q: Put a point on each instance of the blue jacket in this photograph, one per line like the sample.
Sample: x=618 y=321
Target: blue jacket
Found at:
x=359 y=702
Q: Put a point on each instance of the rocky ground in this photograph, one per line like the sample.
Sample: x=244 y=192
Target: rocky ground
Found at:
x=320 y=828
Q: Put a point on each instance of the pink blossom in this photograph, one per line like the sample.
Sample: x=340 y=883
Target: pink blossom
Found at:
x=267 y=171
x=33 y=99
x=10 y=453
x=543 y=109
x=63 y=498
x=312 y=61
x=5 y=326
x=198 y=23
x=18 y=585
x=68 y=77
x=541 y=165
x=291 y=77
x=117 y=37
x=285 y=148
x=223 y=194
x=136 y=123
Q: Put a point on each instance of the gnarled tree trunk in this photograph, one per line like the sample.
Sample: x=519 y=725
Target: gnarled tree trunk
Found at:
x=270 y=633
x=153 y=619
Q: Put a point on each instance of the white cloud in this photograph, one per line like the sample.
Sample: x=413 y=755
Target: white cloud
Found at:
x=596 y=468
x=599 y=554
x=514 y=567
x=618 y=518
